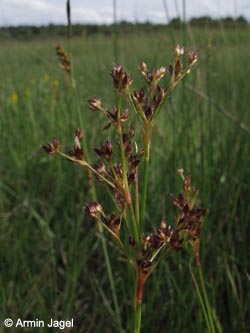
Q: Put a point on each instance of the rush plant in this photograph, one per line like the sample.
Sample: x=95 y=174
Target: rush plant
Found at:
x=122 y=168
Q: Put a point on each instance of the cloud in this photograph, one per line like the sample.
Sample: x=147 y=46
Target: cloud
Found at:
x=101 y=11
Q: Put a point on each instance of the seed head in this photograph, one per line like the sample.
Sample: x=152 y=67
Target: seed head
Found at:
x=113 y=222
x=113 y=116
x=100 y=168
x=175 y=241
x=192 y=58
x=64 y=59
x=131 y=132
x=178 y=51
x=95 y=104
x=78 y=151
x=143 y=67
x=139 y=99
x=132 y=178
x=159 y=73
x=106 y=150
x=52 y=147
x=171 y=70
x=121 y=79
x=93 y=209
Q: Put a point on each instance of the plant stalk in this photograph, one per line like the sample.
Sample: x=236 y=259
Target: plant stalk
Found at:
x=140 y=280
x=209 y=312
x=124 y=173
x=200 y=298
x=147 y=137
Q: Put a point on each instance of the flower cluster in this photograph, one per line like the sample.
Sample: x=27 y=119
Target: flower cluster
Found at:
x=118 y=167
x=64 y=59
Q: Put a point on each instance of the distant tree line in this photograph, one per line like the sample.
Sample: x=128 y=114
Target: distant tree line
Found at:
x=207 y=21
x=33 y=32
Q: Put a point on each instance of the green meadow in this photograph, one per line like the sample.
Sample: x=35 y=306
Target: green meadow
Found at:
x=51 y=259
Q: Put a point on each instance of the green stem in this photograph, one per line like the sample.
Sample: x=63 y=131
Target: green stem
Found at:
x=206 y=299
x=137 y=203
x=200 y=297
x=145 y=179
x=119 y=130
x=124 y=173
x=137 y=327
x=134 y=223
x=140 y=280
x=88 y=166
x=111 y=278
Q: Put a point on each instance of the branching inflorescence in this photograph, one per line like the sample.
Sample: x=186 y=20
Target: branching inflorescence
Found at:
x=120 y=164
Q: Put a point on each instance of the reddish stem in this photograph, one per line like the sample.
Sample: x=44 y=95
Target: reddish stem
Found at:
x=140 y=285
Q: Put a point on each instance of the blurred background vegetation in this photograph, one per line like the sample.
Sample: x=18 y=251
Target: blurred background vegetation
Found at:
x=52 y=264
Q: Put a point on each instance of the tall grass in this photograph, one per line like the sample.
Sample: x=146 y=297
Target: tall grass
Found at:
x=206 y=131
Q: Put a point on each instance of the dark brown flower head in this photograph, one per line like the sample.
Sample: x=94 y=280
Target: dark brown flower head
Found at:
x=52 y=147
x=78 y=151
x=124 y=115
x=95 y=104
x=113 y=116
x=171 y=70
x=119 y=198
x=191 y=222
x=159 y=97
x=144 y=264
x=159 y=73
x=146 y=73
x=134 y=161
x=149 y=77
x=175 y=241
x=127 y=144
x=100 y=168
x=121 y=79
x=118 y=169
x=179 y=201
x=139 y=99
x=192 y=58
x=153 y=241
x=178 y=68
x=132 y=178
x=113 y=222
x=164 y=232
x=64 y=59
x=131 y=132
x=106 y=151
x=149 y=111
x=93 y=209
x=79 y=134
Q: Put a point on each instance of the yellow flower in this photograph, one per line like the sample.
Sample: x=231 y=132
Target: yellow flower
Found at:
x=13 y=98
x=55 y=83
x=46 y=77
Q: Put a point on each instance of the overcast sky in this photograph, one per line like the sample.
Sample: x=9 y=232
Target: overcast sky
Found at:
x=14 y=12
